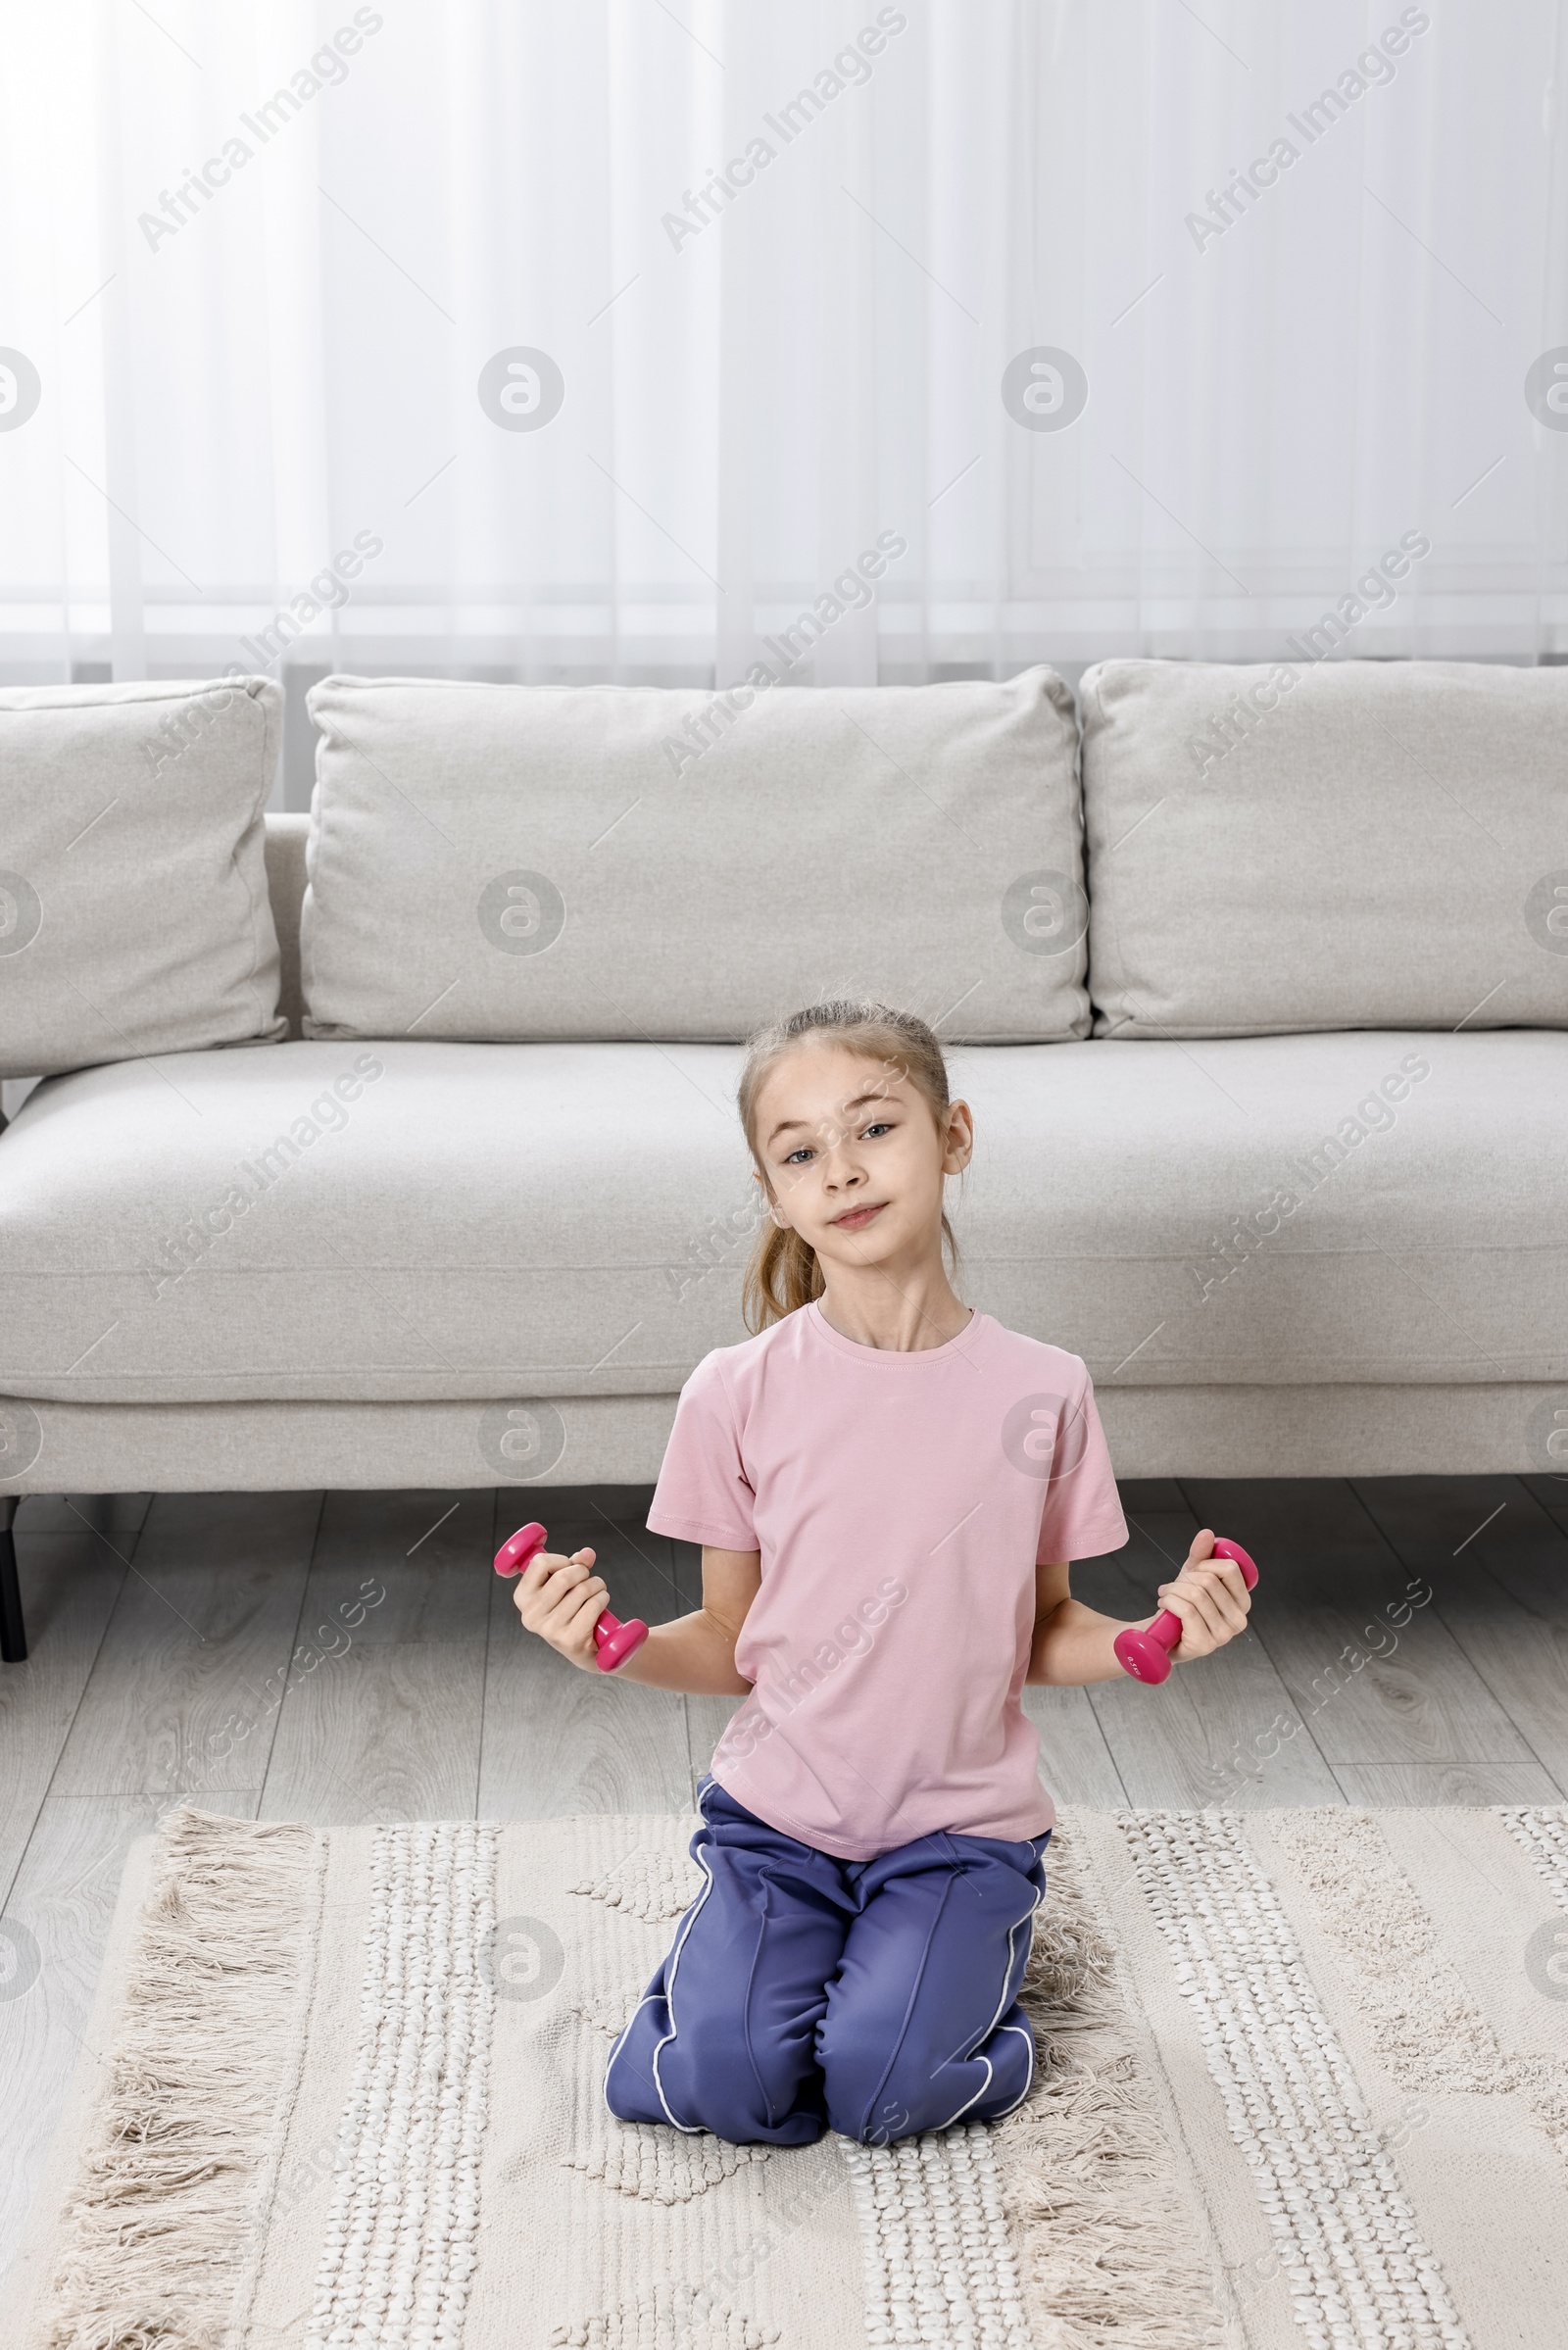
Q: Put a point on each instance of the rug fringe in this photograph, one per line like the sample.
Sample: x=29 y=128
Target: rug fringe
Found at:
x=162 y=2224
x=1106 y=2247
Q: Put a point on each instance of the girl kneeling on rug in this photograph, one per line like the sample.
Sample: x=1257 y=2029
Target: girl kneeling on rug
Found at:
x=887 y=1487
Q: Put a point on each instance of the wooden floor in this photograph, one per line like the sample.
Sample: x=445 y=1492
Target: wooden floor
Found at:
x=351 y=1657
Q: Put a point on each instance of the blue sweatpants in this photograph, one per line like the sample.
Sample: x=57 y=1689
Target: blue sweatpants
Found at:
x=805 y=1993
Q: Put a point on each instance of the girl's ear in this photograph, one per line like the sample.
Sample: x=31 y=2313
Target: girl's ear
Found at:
x=959 y=1139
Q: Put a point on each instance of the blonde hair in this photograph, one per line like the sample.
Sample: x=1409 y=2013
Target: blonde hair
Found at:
x=783 y=1273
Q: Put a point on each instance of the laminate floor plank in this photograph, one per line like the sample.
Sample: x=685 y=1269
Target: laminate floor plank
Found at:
x=1377 y=1784
x=113 y=1515
x=382 y=1714
x=419 y=1562
x=1076 y=1762
x=1499 y=1567
x=1223 y=1731
x=1432 y=1521
x=1552 y=1494
x=1372 y=1669
x=558 y=1741
x=69 y=1583
x=1150 y=1493
x=206 y=1615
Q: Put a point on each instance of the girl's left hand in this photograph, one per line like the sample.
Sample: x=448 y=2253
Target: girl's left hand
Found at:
x=1211 y=1599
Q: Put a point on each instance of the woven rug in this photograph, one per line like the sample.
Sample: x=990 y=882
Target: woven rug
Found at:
x=1303 y=2080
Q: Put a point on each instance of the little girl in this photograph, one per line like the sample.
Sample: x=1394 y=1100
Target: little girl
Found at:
x=887 y=1487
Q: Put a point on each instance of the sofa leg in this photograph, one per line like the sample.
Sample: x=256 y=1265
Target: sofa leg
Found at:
x=13 y=1631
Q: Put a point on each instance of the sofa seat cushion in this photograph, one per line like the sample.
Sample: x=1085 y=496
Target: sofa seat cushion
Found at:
x=408 y=1221
x=1364 y=1206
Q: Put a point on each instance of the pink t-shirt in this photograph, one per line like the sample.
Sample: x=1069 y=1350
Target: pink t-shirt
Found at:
x=900 y=1503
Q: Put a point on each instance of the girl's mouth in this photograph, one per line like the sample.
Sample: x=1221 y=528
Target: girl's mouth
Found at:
x=857 y=1219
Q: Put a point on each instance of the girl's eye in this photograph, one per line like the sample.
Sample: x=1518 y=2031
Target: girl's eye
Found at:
x=795 y=1156
x=882 y=1126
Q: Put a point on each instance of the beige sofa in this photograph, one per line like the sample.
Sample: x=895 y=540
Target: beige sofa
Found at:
x=1337 y=1245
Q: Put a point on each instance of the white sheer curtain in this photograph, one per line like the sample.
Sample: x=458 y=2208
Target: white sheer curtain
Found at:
x=208 y=393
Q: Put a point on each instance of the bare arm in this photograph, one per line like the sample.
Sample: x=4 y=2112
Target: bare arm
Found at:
x=559 y=1598
x=1072 y=1643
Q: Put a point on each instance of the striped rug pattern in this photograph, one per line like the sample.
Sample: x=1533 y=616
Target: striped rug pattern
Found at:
x=1301 y=2081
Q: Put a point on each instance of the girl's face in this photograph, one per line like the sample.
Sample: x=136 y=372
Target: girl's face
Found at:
x=854 y=1156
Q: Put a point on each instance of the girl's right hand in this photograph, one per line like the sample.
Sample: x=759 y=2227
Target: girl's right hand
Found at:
x=562 y=1600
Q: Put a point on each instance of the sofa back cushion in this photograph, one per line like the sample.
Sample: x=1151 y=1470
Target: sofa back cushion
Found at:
x=1357 y=845
x=135 y=915
x=510 y=863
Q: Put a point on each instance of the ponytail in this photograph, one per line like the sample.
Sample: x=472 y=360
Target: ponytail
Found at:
x=783 y=1274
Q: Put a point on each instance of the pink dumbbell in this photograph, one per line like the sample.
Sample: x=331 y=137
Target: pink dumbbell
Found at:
x=1146 y=1656
x=613 y=1639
